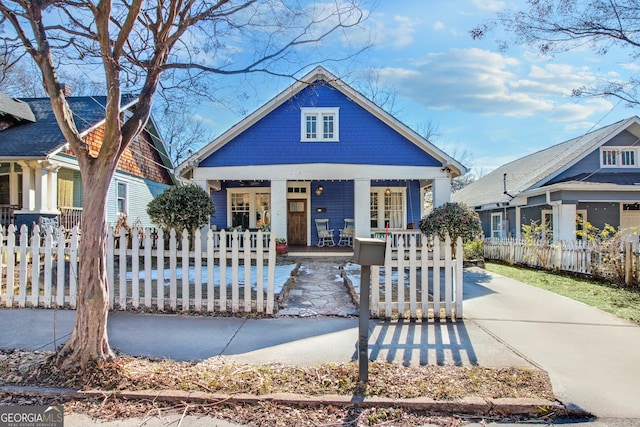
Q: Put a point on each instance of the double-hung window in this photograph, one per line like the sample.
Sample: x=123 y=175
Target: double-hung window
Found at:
x=618 y=157
x=122 y=198
x=496 y=225
x=319 y=124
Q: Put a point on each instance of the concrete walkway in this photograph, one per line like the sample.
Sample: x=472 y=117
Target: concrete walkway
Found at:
x=592 y=357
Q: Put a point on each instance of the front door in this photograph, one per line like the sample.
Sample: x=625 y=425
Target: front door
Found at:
x=297 y=222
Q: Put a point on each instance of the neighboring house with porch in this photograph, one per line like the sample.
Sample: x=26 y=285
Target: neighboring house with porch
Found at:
x=40 y=177
x=320 y=150
x=595 y=177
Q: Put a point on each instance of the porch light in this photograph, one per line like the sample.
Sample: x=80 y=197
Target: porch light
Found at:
x=387 y=192
x=319 y=190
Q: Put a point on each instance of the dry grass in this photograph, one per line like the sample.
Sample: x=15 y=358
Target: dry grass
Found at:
x=217 y=375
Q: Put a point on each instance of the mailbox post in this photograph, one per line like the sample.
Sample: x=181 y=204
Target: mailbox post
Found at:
x=367 y=252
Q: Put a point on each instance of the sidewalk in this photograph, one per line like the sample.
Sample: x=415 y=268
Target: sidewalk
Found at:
x=592 y=357
x=289 y=340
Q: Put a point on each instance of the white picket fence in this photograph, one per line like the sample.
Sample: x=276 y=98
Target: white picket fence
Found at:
x=420 y=280
x=149 y=271
x=573 y=256
x=224 y=271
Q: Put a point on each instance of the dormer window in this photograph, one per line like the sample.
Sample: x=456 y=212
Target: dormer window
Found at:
x=619 y=157
x=319 y=124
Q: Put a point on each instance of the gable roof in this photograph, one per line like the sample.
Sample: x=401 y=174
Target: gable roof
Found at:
x=539 y=168
x=316 y=75
x=42 y=138
x=15 y=108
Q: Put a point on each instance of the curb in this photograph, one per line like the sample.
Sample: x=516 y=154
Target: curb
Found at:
x=533 y=408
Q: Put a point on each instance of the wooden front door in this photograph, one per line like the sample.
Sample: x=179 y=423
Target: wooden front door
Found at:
x=297 y=222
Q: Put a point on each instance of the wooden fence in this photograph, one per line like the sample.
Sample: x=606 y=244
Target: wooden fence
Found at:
x=219 y=271
x=214 y=272
x=420 y=279
x=620 y=263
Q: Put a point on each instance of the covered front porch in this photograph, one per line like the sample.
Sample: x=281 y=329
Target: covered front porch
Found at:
x=31 y=189
x=292 y=208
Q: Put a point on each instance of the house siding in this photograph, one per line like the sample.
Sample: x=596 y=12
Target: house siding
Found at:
x=600 y=214
x=363 y=138
x=140 y=158
x=337 y=200
x=139 y=193
x=591 y=162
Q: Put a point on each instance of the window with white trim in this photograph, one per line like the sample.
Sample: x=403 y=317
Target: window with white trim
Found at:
x=388 y=208
x=249 y=208
x=319 y=124
x=122 y=197
x=618 y=157
x=496 y=225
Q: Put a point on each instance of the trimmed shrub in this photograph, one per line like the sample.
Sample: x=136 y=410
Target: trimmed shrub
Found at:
x=457 y=219
x=181 y=207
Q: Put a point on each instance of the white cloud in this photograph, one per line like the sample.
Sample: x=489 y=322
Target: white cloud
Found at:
x=394 y=33
x=484 y=82
x=492 y=5
x=438 y=26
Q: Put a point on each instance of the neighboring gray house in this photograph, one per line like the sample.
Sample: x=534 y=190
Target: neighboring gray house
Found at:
x=40 y=177
x=595 y=176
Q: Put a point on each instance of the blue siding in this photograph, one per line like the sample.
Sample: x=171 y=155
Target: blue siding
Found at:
x=219 y=218
x=601 y=214
x=337 y=199
x=591 y=163
x=275 y=139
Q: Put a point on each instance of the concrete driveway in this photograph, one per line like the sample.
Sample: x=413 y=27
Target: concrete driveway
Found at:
x=592 y=357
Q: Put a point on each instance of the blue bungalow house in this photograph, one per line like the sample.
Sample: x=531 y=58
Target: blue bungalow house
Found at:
x=320 y=150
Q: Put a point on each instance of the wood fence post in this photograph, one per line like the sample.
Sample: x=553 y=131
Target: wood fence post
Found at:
x=628 y=263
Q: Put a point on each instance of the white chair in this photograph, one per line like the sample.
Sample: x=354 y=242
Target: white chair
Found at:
x=325 y=234
x=346 y=233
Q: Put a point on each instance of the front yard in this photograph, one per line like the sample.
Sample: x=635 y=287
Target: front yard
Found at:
x=621 y=301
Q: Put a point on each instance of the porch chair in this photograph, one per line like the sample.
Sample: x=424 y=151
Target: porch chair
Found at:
x=325 y=234
x=46 y=223
x=346 y=233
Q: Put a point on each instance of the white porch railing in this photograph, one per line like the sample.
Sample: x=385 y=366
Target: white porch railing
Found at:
x=172 y=274
x=420 y=279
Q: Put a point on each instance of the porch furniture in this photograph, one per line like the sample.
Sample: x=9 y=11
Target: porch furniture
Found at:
x=346 y=233
x=46 y=223
x=325 y=234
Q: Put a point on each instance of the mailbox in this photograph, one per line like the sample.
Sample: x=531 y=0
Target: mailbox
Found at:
x=369 y=251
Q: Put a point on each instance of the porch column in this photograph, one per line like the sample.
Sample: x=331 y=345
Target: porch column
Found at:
x=362 y=207
x=52 y=187
x=28 y=188
x=518 y=222
x=202 y=183
x=14 y=185
x=279 y=208
x=564 y=221
x=441 y=191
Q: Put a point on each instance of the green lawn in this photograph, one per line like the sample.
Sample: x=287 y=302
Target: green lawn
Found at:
x=622 y=302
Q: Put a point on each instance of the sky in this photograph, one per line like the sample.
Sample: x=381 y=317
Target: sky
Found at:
x=486 y=107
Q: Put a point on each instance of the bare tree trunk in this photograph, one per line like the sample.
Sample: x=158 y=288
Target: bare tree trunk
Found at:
x=89 y=341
